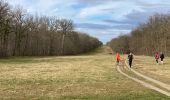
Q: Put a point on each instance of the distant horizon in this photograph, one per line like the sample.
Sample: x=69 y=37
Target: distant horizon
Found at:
x=101 y=19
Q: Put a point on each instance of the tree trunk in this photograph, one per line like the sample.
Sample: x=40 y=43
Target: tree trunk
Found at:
x=62 y=44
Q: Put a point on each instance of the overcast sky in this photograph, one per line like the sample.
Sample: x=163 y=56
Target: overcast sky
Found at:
x=104 y=19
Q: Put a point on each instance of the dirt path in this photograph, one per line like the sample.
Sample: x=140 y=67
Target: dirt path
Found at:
x=148 y=85
x=161 y=84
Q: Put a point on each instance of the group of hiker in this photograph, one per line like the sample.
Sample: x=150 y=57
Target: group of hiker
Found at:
x=130 y=58
x=158 y=56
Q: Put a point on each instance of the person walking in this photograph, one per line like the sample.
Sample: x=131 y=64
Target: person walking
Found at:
x=130 y=57
x=162 y=57
x=118 y=58
x=157 y=56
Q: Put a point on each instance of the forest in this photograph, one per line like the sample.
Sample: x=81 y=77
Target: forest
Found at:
x=148 y=38
x=23 y=34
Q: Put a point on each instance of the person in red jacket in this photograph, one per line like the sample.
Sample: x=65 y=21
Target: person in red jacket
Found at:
x=118 y=58
x=157 y=56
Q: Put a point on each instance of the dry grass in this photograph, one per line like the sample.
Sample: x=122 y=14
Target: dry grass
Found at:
x=90 y=77
x=148 y=66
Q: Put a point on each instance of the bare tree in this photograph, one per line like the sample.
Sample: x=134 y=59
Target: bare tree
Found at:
x=22 y=34
x=5 y=27
x=150 y=37
x=20 y=27
x=65 y=26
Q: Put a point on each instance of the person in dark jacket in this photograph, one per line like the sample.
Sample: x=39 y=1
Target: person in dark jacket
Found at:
x=162 y=57
x=130 y=57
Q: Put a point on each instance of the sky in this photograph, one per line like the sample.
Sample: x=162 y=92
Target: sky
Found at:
x=104 y=19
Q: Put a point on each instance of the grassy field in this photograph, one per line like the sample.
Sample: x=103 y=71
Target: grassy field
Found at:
x=148 y=66
x=91 y=76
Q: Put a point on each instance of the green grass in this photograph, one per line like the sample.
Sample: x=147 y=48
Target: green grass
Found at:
x=85 y=77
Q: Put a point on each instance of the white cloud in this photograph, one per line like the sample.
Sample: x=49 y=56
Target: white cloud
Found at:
x=117 y=9
x=95 y=10
x=40 y=6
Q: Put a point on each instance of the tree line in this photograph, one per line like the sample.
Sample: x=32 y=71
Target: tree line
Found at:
x=148 y=38
x=22 y=34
